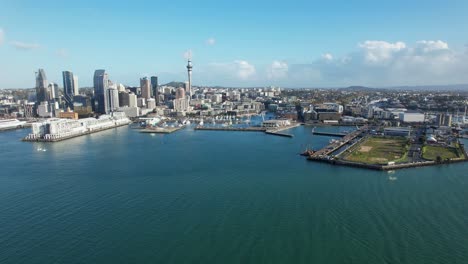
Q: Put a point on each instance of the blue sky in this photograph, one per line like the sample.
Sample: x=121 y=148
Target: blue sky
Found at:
x=237 y=43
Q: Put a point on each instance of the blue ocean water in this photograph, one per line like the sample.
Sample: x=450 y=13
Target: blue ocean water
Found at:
x=120 y=196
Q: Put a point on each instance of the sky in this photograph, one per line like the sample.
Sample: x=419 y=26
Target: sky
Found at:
x=237 y=43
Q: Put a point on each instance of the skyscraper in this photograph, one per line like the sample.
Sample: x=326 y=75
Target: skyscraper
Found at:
x=154 y=87
x=53 y=91
x=75 y=85
x=101 y=84
x=69 y=89
x=145 y=88
x=41 y=86
x=189 y=71
x=112 y=100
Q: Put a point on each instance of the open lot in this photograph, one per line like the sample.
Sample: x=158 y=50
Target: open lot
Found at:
x=379 y=150
x=432 y=152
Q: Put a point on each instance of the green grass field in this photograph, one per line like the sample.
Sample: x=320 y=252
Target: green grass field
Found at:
x=377 y=150
x=431 y=153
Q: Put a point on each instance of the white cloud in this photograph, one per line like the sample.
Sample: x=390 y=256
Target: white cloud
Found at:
x=228 y=73
x=277 y=70
x=327 y=57
x=380 y=51
x=211 y=41
x=431 y=45
x=24 y=46
x=244 y=69
x=381 y=63
x=2 y=36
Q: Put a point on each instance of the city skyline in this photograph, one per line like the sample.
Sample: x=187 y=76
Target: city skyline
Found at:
x=326 y=45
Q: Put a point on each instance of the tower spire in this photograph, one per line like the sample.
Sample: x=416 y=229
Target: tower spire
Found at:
x=189 y=72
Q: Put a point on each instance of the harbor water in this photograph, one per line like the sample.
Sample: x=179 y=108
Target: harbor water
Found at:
x=120 y=196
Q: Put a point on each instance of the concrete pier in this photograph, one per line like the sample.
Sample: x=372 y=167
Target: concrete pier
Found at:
x=329 y=134
x=160 y=130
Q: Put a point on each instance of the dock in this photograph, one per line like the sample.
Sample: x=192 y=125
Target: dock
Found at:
x=161 y=130
x=324 y=153
x=270 y=131
x=244 y=129
x=331 y=134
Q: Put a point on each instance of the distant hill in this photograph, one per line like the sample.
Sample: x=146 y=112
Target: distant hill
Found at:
x=175 y=84
x=450 y=87
x=356 y=88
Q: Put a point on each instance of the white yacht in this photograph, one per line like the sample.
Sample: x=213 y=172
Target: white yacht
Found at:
x=6 y=124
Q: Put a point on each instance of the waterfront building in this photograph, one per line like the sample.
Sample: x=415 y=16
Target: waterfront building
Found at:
x=101 y=84
x=145 y=86
x=276 y=123
x=68 y=115
x=41 y=86
x=56 y=129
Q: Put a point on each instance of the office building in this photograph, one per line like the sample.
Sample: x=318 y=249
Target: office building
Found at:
x=101 y=84
x=154 y=88
x=41 y=86
x=145 y=86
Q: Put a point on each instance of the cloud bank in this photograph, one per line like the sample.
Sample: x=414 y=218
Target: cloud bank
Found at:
x=372 y=63
x=24 y=46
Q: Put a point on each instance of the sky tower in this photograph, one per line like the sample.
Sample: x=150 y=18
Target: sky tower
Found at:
x=189 y=71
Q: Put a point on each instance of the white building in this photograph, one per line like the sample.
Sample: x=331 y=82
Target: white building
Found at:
x=43 y=110
x=412 y=117
x=132 y=100
x=150 y=103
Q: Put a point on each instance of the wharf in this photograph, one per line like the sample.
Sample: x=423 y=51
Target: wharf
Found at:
x=329 y=134
x=158 y=130
x=245 y=129
x=73 y=136
x=323 y=154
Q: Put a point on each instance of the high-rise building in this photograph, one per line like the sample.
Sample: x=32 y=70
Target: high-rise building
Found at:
x=41 y=86
x=75 y=85
x=112 y=100
x=101 y=84
x=70 y=89
x=154 y=88
x=53 y=91
x=180 y=93
x=132 y=100
x=145 y=88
